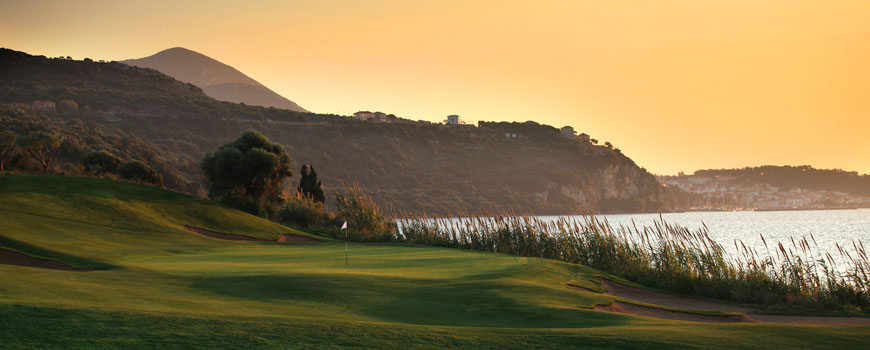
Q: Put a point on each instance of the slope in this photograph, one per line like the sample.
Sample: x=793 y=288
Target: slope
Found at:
x=216 y=79
x=168 y=288
x=414 y=166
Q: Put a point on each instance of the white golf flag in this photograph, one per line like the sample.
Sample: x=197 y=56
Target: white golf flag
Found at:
x=344 y=227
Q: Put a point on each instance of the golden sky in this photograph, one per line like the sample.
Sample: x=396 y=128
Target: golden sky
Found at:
x=677 y=85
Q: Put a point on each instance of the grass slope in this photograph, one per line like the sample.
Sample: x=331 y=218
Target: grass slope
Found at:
x=169 y=288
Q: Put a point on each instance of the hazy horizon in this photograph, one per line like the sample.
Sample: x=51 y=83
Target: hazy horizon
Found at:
x=677 y=86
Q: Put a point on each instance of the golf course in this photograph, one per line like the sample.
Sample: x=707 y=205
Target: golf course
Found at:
x=95 y=263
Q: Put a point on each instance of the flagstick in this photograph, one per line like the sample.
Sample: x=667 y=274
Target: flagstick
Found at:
x=345 y=245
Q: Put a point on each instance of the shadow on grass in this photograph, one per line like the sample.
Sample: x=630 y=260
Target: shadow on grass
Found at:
x=452 y=302
x=37 y=252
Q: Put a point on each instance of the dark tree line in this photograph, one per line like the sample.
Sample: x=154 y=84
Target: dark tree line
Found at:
x=32 y=143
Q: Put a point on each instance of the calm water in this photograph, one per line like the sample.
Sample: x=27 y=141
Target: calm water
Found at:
x=827 y=226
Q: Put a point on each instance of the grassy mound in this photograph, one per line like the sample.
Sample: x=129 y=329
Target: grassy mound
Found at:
x=169 y=288
x=95 y=220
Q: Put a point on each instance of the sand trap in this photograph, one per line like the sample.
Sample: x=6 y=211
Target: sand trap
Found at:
x=235 y=237
x=628 y=308
x=11 y=257
x=669 y=300
x=658 y=298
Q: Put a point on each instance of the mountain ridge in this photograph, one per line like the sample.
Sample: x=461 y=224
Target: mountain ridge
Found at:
x=406 y=165
x=217 y=79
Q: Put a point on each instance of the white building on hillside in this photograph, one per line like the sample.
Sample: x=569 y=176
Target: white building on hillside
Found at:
x=454 y=120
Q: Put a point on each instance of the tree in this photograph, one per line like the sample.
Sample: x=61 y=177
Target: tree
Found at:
x=67 y=107
x=309 y=185
x=7 y=147
x=248 y=171
x=42 y=146
x=99 y=162
x=135 y=170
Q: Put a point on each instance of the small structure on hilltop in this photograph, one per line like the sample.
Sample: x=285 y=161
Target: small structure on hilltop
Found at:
x=454 y=120
x=42 y=106
x=568 y=131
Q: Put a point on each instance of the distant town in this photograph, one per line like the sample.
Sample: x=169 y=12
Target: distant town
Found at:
x=718 y=192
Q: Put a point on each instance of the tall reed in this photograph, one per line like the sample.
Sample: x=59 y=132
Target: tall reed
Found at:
x=666 y=256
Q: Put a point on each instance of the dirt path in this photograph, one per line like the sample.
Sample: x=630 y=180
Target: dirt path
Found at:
x=11 y=257
x=668 y=300
x=235 y=237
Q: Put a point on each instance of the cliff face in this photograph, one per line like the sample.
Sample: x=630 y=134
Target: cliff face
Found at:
x=405 y=165
x=626 y=187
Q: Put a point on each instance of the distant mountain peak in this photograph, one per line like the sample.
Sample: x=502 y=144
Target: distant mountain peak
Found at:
x=216 y=79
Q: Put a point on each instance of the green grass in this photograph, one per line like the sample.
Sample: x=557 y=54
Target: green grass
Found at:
x=168 y=288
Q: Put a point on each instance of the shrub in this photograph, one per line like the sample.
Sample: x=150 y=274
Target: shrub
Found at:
x=135 y=170
x=365 y=221
x=67 y=107
x=304 y=211
x=100 y=162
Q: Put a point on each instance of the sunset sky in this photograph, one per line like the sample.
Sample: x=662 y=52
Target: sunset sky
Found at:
x=677 y=85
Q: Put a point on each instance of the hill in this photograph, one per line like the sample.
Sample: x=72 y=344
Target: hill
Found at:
x=159 y=286
x=413 y=166
x=772 y=188
x=216 y=79
x=791 y=177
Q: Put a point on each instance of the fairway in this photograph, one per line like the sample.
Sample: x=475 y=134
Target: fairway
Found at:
x=155 y=284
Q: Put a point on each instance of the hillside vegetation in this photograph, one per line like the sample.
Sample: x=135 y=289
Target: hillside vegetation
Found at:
x=790 y=177
x=412 y=166
x=159 y=286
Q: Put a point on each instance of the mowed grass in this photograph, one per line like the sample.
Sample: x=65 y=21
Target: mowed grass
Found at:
x=164 y=287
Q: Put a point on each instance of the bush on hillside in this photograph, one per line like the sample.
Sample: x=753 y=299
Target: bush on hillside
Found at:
x=137 y=171
x=304 y=211
x=100 y=162
x=67 y=107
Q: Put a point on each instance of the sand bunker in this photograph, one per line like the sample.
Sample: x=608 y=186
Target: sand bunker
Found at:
x=657 y=298
x=11 y=257
x=628 y=308
x=235 y=237
x=667 y=300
